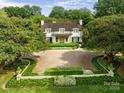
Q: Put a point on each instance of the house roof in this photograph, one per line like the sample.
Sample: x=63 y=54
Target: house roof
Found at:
x=68 y=26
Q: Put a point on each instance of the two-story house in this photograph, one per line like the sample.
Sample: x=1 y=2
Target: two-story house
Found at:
x=62 y=32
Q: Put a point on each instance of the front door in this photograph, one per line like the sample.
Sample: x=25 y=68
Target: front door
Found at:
x=61 y=40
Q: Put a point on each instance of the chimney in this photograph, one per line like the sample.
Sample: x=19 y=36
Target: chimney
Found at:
x=42 y=22
x=81 y=22
x=54 y=22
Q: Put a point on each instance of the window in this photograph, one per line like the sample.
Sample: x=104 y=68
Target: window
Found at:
x=56 y=39
x=75 y=30
x=48 y=30
x=66 y=39
x=78 y=39
x=72 y=39
x=61 y=29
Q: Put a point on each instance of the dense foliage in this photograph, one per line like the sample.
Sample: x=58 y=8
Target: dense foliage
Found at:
x=23 y=12
x=106 y=33
x=109 y=7
x=19 y=37
x=60 y=12
x=37 y=19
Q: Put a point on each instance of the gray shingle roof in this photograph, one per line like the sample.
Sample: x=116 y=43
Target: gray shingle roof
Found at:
x=68 y=26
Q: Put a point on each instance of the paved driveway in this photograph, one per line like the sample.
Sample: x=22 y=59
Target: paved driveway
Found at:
x=64 y=58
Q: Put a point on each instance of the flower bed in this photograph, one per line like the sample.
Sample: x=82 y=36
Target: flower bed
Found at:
x=64 y=81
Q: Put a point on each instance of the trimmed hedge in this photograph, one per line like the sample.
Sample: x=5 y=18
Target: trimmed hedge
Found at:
x=74 y=45
x=28 y=71
x=97 y=80
x=97 y=65
x=13 y=83
x=30 y=82
x=64 y=71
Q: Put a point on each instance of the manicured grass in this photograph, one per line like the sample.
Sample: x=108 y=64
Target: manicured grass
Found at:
x=4 y=77
x=81 y=89
x=64 y=71
x=30 y=83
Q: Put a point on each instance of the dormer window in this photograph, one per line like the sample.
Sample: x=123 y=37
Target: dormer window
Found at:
x=61 y=29
x=75 y=30
x=48 y=30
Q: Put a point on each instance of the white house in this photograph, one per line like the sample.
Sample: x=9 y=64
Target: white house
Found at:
x=63 y=32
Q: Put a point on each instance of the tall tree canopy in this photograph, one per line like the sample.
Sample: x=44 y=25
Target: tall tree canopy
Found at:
x=19 y=37
x=23 y=12
x=57 y=12
x=109 y=7
x=106 y=33
x=60 y=12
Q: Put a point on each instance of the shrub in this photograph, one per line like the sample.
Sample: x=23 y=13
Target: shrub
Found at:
x=64 y=71
x=14 y=66
x=87 y=72
x=18 y=70
x=74 y=45
x=65 y=81
x=30 y=82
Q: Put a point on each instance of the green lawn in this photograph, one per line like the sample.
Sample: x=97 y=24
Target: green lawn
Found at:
x=85 y=88
x=4 y=77
x=82 y=89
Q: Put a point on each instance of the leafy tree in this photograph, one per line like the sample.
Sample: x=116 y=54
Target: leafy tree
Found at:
x=57 y=12
x=23 y=12
x=37 y=19
x=84 y=14
x=106 y=33
x=3 y=13
x=109 y=7
x=18 y=37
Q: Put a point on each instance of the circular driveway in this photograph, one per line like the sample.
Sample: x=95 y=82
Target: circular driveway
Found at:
x=64 y=58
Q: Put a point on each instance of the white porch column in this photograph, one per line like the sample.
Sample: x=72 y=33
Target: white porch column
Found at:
x=69 y=39
x=53 y=39
x=80 y=39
